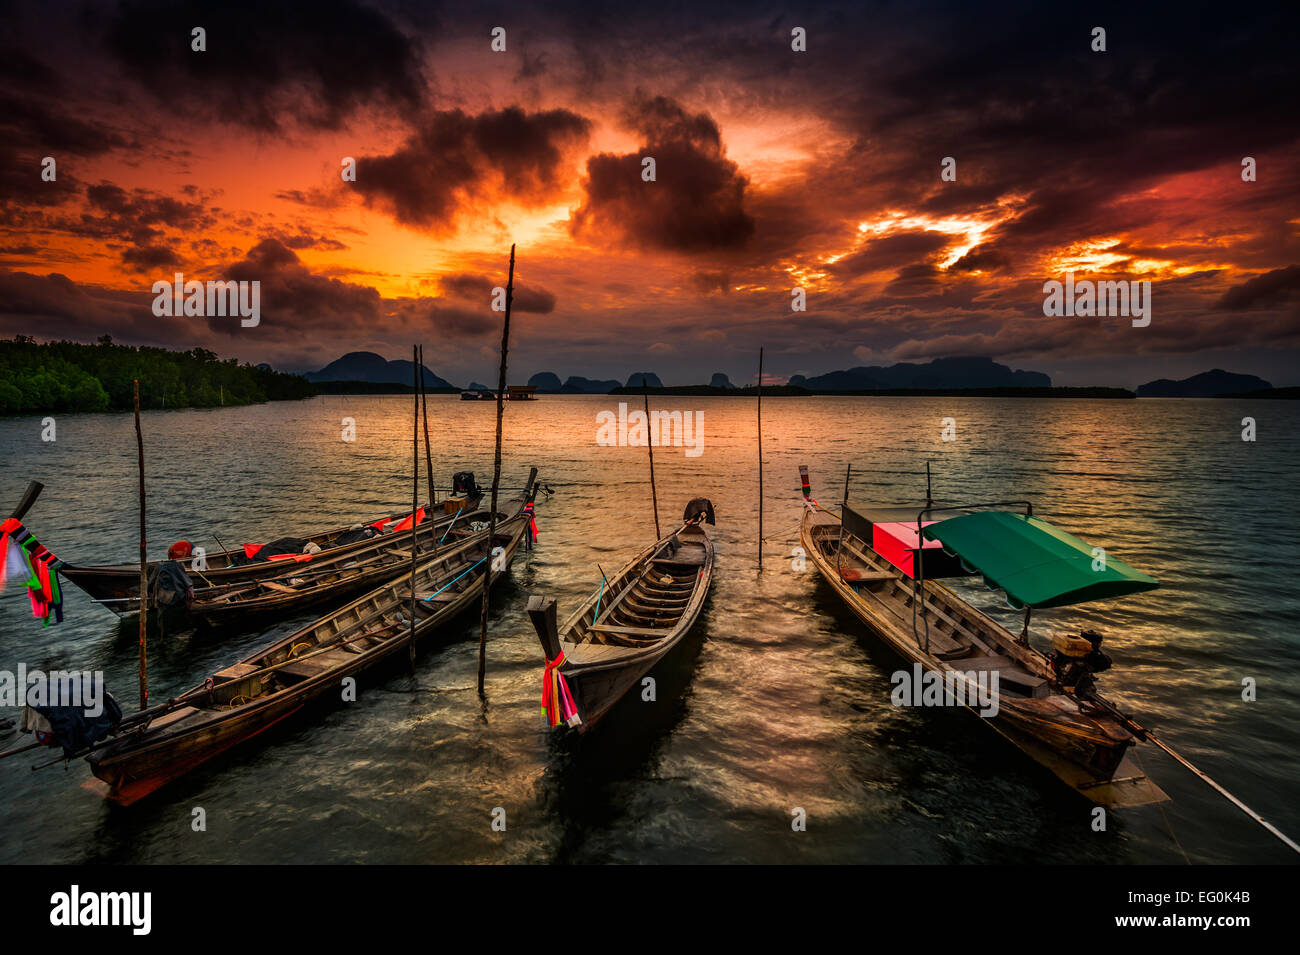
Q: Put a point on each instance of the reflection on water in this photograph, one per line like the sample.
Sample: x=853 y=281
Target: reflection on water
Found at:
x=779 y=699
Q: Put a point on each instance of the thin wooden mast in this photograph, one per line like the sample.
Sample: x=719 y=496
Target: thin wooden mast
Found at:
x=649 y=444
x=428 y=453
x=760 y=460
x=144 y=562
x=496 y=478
x=415 y=495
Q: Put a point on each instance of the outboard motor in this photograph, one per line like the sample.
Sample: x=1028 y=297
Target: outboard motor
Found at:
x=1076 y=659
x=700 y=505
x=464 y=485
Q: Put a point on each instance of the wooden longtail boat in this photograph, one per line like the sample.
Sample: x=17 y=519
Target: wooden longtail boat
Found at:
x=877 y=564
x=629 y=623
x=159 y=745
x=331 y=576
x=117 y=586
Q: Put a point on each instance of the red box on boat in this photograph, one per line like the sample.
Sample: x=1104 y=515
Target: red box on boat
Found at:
x=897 y=543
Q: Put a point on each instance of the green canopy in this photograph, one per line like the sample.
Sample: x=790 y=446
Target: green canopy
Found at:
x=1038 y=565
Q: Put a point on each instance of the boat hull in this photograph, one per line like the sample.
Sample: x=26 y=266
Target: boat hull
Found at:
x=117 y=586
x=645 y=610
x=139 y=762
x=1088 y=752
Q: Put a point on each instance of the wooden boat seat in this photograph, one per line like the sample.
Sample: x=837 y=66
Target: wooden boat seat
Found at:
x=428 y=601
x=642 y=632
x=682 y=558
x=588 y=653
x=175 y=716
x=1009 y=671
x=851 y=575
x=332 y=658
x=306 y=669
x=236 y=671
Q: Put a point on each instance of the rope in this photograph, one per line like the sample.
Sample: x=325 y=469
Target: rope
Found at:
x=1168 y=825
x=453 y=580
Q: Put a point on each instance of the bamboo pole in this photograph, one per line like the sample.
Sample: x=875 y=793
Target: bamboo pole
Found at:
x=415 y=495
x=496 y=478
x=1150 y=737
x=654 y=496
x=428 y=453
x=760 y=460
x=144 y=563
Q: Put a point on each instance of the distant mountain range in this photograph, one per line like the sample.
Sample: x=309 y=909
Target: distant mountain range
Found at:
x=942 y=373
x=547 y=382
x=1205 y=385
x=367 y=366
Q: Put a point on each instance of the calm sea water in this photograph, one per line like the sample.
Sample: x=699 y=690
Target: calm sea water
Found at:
x=779 y=699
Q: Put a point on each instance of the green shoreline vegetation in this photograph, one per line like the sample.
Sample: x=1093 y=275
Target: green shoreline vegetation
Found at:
x=39 y=377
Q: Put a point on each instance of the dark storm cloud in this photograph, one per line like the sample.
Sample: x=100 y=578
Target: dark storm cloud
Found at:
x=35 y=113
x=296 y=301
x=980 y=259
x=36 y=121
x=1015 y=94
x=54 y=306
x=478 y=288
x=711 y=281
x=140 y=216
x=147 y=258
x=448 y=323
x=456 y=157
x=268 y=65
x=696 y=202
x=1271 y=288
x=123 y=211
x=893 y=251
x=306 y=239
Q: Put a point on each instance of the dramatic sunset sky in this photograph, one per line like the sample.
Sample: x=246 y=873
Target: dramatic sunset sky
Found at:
x=775 y=168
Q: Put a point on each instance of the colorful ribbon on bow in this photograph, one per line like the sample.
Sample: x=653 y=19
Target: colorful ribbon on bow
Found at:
x=557 y=702
x=42 y=570
x=532 y=523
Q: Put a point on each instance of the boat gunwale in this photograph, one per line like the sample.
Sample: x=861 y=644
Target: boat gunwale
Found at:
x=576 y=623
x=1011 y=709
x=124 y=750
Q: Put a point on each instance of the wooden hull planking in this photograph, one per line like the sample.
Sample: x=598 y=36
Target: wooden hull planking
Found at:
x=646 y=608
x=138 y=764
x=1085 y=750
x=118 y=585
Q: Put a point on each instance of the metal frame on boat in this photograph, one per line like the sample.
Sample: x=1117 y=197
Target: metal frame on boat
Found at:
x=1079 y=736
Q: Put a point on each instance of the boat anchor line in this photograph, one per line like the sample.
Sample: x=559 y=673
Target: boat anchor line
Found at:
x=1146 y=734
x=1049 y=708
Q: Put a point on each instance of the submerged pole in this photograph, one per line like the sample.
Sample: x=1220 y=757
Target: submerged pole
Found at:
x=428 y=453
x=144 y=563
x=847 y=472
x=496 y=478
x=760 y=460
x=649 y=444
x=415 y=495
